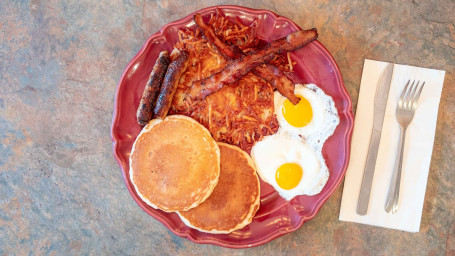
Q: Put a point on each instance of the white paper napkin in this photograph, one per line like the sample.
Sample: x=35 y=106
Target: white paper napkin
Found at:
x=417 y=151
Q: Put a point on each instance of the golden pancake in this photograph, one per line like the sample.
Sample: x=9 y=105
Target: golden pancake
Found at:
x=235 y=199
x=174 y=163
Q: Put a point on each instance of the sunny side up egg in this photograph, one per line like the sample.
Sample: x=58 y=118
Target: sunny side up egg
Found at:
x=291 y=160
x=314 y=118
x=289 y=165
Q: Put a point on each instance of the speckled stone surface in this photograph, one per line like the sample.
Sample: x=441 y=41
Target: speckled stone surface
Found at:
x=61 y=190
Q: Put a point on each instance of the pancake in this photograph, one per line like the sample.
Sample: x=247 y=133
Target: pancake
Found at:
x=174 y=163
x=235 y=199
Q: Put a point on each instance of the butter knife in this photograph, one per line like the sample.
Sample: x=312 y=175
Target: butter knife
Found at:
x=380 y=102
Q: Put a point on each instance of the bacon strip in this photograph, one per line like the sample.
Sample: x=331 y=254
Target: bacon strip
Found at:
x=152 y=88
x=279 y=80
x=227 y=50
x=239 y=67
x=170 y=83
x=269 y=73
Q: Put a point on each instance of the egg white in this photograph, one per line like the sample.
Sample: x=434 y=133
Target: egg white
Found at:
x=275 y=150
x=325 y=116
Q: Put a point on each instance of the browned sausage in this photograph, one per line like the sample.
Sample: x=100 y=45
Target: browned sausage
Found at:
x=170 y=83
x=152 y=88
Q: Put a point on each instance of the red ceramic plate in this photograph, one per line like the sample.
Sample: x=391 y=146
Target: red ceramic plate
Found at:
x=276 y=216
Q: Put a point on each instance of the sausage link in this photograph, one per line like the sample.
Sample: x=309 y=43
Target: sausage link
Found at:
x=145 y=110
x=171 y=80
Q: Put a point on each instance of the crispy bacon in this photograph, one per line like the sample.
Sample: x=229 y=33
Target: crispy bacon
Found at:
x=279 y=80
x=269 y=73
x=152 y=89
x=239 y=67
x=171 y=80
x=230 y=51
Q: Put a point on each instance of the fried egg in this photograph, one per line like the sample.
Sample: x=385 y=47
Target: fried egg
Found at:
x=291 y=160
x=290 y=165
x=314 y=118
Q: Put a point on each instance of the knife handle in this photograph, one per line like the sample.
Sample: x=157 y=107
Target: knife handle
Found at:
x=367 y=180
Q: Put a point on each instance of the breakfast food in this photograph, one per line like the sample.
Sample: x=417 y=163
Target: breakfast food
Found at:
x=235 y=199
x=289 y=165
x=171 y=79
x=174 y=163
x=314 y=118
x=268 y=72
x=240 y=113
x=237 y=68
x=291 y=160
x=152 y=88
x=221 y=75
x=230 y=51
x=275 y=77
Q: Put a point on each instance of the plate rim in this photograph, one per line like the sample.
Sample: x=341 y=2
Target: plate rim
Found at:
x=346 y=136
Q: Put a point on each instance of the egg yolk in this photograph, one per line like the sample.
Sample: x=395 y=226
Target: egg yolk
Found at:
x=288 y=175
x=298 y=115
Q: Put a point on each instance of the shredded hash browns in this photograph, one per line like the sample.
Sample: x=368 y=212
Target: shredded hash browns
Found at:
x=240 y=113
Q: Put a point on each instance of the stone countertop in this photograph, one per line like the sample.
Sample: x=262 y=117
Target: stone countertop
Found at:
x=61 y=190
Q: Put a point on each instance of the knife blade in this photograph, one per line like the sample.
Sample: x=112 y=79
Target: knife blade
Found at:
x=380 y=102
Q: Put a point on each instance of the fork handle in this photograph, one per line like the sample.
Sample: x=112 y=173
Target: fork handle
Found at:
x=391 y=205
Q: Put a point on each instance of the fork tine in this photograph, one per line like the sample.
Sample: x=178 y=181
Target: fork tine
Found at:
x=417 y=96
x=404 y=90
x=410 y=91
x=419 y=92
x=412 y=95
x=403 y=94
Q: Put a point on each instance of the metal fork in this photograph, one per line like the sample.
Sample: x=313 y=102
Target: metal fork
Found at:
x=406 y=107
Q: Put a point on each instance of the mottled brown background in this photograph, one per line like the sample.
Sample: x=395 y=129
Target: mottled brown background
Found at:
x=61 y=190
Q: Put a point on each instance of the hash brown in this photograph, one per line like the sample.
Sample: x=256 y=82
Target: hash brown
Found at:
x=251 y=118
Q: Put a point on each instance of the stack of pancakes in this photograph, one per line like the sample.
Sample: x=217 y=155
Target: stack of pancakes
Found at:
x=176 y=166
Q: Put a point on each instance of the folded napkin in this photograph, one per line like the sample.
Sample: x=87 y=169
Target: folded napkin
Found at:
x=417 y=151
